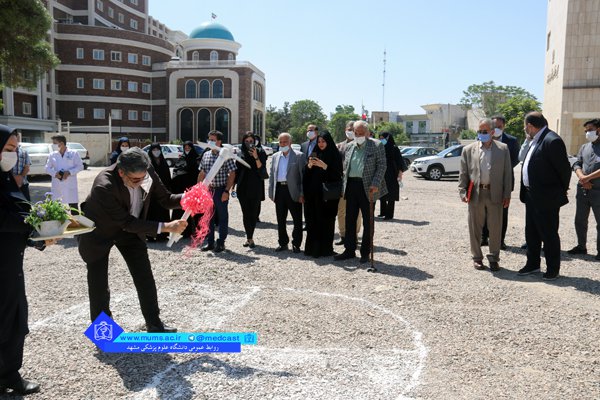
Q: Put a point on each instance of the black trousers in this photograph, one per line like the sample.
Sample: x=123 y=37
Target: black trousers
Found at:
x=486 y=233
x=11 y=358
x=250 y=211
x=283 y=204
x=386 y=207
x=95 y=251
x=541 y=225
x=356 y=199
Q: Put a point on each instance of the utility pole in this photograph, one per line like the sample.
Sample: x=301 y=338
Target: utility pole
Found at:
x=383 y=84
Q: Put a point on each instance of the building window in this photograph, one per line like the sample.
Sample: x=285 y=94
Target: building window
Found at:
x=132 y=58
x=195 y=56
x=217 y=89
x=115 y=56
x=204 y=89
x=80 y=83
x=132 y=115
x=146 y=88
x=222 y=123
x=26 y=108
x=133 y=23
x=146 y=60
x=230 y=57
x=98 y=113
x=214 y=56
x=409 y=127
x=79 y=53
x=146 y=115
x=98 y=84
x=100 y=5
x=257 y=122
x=111 y=12
x=81 y=113
x=115 y=85
x=190 y=89
x=116 y=114
x=186 y=125
x=132 y=86
x=134 y=2
x=203 y=124
x=422 y=126
x=121 y=18
x=98 y=54
x=257 y=95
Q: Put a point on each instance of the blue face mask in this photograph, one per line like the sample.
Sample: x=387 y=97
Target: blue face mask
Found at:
x=483 y=137
x=211 y=143
x=383 y=141
x=284 y=148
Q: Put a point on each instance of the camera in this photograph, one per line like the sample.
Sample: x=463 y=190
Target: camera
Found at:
x=61 y=174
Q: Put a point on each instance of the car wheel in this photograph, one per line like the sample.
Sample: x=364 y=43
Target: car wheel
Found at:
x=435 y=173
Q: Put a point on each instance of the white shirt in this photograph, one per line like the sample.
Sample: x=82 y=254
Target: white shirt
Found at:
x=135 y=201
x=282 y=167
x=532 y=147
x=485 y=164
x=65 y=189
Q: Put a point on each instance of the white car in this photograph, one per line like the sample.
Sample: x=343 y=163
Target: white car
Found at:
x=83 y=153
x=268 y=150
x=446 y=162
x=38 y=153
x=171 y=152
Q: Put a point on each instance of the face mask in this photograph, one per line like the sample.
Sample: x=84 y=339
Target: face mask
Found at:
x=8 y=161
x=310 y=135
x=497 y=132
x=124 y=148
x=55 y=147
x=284 y=148
x=186 y=152
x=156 y=153
x=256 y=143
x=383 y=141
x=360 y=140
x=483 y=137
x=591 y=136
x=212 y=143
x=350 y=135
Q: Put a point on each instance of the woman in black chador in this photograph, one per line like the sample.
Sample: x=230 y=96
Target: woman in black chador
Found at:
x=156 y=212
x=324 y=166
x=393 y=175
x=185 y=176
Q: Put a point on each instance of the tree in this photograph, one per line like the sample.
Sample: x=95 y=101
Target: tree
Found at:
x=338 y=121
x=395 y=129
x=25 y=55
x=468 y=134
x=278 y=121
x=488 y=96
x=303 y=113
x=514 y=111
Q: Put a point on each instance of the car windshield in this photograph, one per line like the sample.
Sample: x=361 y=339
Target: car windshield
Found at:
x=37 y=149
x=448 y=150
x=406 y=150
x=75 y=146
x=410 y=151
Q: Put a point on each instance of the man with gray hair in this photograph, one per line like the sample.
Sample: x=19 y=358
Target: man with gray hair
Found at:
x=118 y=204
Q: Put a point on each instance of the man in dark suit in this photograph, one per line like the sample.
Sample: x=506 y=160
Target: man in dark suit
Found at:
x=118 y=204
x=364 y=172
x=513 y=149
x=544 y=183
x=308 y=147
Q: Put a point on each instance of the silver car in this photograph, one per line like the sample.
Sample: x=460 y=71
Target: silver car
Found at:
x=38 y=153
x=83 y=153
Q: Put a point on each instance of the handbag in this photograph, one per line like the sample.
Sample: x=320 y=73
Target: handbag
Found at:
x=332 y=190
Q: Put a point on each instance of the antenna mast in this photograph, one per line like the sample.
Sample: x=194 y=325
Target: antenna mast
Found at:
x=383 y=84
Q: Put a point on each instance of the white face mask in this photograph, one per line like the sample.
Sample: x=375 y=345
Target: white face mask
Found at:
x=8 y=161
x=350 y=135
x=284 y=148
x=212 y=143
x=156 y=153
x=124 y=148
x=360 y=140
x=310 y=135
x=591 y=136
x=497 y=132
x=55 y=147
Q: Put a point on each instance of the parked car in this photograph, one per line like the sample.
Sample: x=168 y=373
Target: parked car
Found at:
x=268 y=150
x=171 y=152
x=412 y=153
x=38 y=153
x=83 y=153
x=446 y=162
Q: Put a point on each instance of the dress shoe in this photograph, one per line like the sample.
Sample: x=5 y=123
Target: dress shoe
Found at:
x=346 y=255
x=252 y=244
x=160 y=328
x=340 y=242
x=578 y=250
x=219 y=247
x=247 y=244
x=526 y=270
x=503 y=246
x=20 y=386
x=494 y=266
x=281 y=248
x=478 y=265
x=295 y=249
x=364 y=259
x=550 y=277
x=207 y=247
x=485 y=242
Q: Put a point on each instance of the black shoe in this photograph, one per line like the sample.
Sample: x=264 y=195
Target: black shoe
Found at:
x=160 y=328
x=252 y=244
x=578 y=250
x=526 y=270
x=20 y=386
x=246 y=244
x=281 y=248
x=364 y=259
x=494 y=266
x=485 y=242
x=503 y=246
x=346 y=255
x=219 y=247
x=550 y=277
x=295 y=249
x=524 y=246
x=207 y=247
x=340 y=242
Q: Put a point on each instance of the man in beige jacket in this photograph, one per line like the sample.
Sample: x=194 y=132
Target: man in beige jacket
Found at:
x=485 y=183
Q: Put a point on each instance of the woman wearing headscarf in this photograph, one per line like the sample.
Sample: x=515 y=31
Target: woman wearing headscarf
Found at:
x=122 y=146
x=156 y=212
x=251 y=185
x=324 y=166
x=14 y=237
x=393 y=175
x=186 y=176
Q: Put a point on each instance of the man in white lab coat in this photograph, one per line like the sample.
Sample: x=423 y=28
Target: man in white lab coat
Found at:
x=63 y=165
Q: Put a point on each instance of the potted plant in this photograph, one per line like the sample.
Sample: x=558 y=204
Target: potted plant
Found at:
x=49 y=217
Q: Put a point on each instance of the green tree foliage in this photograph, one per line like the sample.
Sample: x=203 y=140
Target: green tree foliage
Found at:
x=488 y=96
x=468 y=134
x=339 y=119
x=25 y=55
x=394 y=128
x=514 y=111
x=278 y=120
x=303 y=113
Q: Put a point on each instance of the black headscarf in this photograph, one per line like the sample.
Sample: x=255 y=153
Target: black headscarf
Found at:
x=191 y=158
x=331 y=155
x=115 y=154
x=7 y=182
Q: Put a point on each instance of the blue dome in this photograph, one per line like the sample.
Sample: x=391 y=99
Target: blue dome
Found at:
x=211 y=30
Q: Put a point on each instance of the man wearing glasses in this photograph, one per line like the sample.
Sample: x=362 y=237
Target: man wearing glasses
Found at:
x=118 y=204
